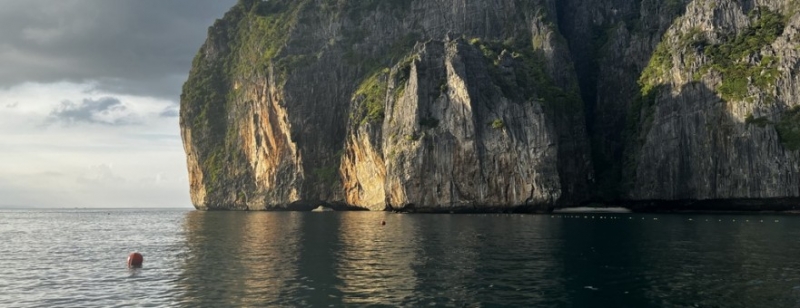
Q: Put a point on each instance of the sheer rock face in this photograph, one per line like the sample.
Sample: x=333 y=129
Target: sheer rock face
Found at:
x=478 y=106
x=451 y=139
x=714 y=129
x=677 y=112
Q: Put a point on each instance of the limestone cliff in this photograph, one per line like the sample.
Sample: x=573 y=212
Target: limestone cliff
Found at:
x=475 y=105
x=430 y=105
x=717 y=114
x=467 y=126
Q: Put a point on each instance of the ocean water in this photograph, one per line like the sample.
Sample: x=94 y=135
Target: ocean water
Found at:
x=76 y=258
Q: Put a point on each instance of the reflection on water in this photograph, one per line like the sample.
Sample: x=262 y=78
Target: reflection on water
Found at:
x=350 y=259
x=680 y=261
x=733 y=262
x=316 y=261
x=240 y=259
x=375 y=261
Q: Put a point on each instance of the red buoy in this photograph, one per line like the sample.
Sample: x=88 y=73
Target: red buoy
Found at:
x=135 y=259
x=383 y=223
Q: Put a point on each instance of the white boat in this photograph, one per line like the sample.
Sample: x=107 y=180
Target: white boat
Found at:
x=322 y=208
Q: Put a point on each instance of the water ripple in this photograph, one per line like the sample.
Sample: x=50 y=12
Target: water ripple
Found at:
x=76 y=258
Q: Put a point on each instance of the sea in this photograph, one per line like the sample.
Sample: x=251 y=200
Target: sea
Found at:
x=77 y=258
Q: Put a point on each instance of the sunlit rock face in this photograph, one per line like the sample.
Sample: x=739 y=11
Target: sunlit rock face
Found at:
x=452 y=139
x=510 y=105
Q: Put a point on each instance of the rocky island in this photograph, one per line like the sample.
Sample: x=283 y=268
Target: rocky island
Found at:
x=502 y=105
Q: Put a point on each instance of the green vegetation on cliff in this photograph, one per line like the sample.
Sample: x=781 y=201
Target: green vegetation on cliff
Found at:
x=498 y=124
x=204 y=97
x=657 y=69
x=760 y=121
x=242 y=44
x=641 y=112
x=642 y=109
x=639 y=121
x=372 y=88
x=738 y=60
x=261 y=35
x=731 y=58
x=321 y=58
x=372 y=92
x=204 y=102
x=529 y=81
x=789 y=129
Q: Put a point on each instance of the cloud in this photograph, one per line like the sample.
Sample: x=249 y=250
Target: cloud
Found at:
x=107 y=110
x=169 y=112
x=100 y=175
x=137 y=47
x=54 y=174
x=158 y=179
x=98 y=67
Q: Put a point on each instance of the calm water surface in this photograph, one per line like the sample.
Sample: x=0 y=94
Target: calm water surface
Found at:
x=76 y=258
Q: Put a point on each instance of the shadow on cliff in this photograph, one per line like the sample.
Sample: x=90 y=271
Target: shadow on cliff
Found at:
x=685 y=149
x=611 y=42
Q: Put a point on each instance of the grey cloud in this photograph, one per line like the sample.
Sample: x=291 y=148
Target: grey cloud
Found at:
x=12 y=105
x=107 y=110
x=139 y=47
x=169 y=112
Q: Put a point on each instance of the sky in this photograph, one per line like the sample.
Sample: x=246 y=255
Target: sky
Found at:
x=89 y=96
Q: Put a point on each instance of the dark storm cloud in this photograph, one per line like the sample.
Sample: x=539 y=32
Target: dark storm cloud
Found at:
x=140 y=47
x=107 y=111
